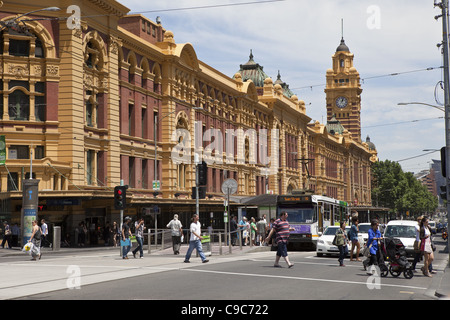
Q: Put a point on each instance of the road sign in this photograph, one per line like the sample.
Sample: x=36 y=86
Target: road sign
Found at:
x=229 y=186
x=156 y=185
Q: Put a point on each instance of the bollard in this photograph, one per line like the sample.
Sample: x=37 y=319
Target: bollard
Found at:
x=240 y=239
x=149 y=242
x=56 y=238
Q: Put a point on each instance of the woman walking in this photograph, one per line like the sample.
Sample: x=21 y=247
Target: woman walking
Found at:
x=354 y=239
x=425 y=246
x=341 y=242
x=35 y=239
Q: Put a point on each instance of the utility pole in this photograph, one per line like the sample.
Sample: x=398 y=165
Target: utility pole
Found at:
x=444 y=7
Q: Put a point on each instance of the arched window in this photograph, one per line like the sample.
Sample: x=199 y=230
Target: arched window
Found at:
x=26 y=98
x=18 y=105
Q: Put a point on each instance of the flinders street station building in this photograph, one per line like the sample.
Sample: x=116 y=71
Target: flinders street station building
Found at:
x=107 y=99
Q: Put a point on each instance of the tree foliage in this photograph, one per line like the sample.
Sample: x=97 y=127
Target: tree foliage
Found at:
x=400 y=191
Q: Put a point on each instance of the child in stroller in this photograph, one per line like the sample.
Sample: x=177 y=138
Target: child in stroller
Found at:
x=394 y=253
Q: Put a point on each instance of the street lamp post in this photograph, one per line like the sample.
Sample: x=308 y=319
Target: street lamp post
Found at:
x=444 y=6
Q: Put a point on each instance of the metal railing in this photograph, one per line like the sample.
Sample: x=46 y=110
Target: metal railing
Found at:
x=161 y=239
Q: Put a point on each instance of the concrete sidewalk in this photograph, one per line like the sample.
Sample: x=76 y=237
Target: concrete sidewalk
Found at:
x=155 y=250
x=443 y=286
x=73 y=268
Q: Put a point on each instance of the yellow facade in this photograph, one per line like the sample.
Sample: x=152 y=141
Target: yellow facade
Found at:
x=110 y=80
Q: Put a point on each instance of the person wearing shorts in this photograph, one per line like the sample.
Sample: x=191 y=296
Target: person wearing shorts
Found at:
x=282 y=230
x=354 y=238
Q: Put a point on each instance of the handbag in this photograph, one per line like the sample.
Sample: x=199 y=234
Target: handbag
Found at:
x=125 y=243
x=366 y=251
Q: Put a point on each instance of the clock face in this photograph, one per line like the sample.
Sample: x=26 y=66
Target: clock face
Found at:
x=341 y=102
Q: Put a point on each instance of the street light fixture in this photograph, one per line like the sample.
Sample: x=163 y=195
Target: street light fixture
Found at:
x=12 y=22
x=421 y=103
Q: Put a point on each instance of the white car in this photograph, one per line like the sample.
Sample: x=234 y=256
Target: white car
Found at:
x=432 y=225
x=325 y=242
x=405 y=230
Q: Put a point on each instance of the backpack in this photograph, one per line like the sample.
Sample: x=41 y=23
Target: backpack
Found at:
x=339 y=238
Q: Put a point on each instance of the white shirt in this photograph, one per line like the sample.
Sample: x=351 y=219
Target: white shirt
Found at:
x=417 y=232
x=44 y=229
x=195 y=227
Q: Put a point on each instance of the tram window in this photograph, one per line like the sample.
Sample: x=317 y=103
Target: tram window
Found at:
x=326 y=213
x=297 y=215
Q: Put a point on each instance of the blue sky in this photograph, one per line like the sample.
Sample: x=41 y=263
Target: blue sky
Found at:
x=298 y=37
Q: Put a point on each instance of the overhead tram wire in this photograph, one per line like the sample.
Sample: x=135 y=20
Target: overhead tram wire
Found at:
x=209 y=6
x=213 y=6
x=420 y=155
x=373 y=77
x=402 y=122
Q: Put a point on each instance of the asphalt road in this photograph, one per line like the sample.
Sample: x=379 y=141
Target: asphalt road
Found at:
x=249 y=277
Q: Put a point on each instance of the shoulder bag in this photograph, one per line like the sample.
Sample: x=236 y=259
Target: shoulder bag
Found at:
x=366 y=251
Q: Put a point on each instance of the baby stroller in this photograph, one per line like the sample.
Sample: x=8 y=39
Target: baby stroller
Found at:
x=394 y=253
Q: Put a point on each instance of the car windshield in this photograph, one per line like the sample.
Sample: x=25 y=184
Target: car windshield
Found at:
x=400 y=232
x=364 y=228
x=330 y=231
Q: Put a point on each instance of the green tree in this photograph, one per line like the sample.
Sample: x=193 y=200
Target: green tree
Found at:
x=400 y=191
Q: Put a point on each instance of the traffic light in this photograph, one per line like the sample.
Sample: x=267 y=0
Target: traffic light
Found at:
x=443 y=163
x=443 y=192
x=202 y=171
x=201 y=193
x=120 y=197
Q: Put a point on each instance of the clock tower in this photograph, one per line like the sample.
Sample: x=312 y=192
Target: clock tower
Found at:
x=343 y=91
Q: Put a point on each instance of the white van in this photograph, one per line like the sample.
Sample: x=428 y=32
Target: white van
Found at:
x=405 y=230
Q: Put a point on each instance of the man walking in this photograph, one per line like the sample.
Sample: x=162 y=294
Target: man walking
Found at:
x=44 y=229
x=195 y=240
x=139 y=232
x=175 y=225
x=282 y=229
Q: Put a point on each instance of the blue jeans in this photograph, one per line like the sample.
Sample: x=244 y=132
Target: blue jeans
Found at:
x=140 y=242
x=195 y=244
x=125 y=250
x=343 y=250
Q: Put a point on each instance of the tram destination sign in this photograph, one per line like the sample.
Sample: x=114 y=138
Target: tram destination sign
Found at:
x=296 y=199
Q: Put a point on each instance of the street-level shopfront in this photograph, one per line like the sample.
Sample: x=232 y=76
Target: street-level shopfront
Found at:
x=95 y=215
